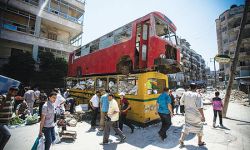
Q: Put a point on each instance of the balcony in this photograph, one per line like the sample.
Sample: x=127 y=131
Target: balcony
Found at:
x=60 y=19
x=23 y=37
x=244 y=55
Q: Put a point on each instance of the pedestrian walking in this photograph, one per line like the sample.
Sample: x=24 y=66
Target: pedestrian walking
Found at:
x=182 y=107
x=177 y=104
x=217 y=107
x=43 y=98
x=94 y=103
x=164 y=109
x=6 y=107
x=111 y=120
x=172 y=99
x=47 y=121
x=194 y=116
x=29 y=97
x=59 y=103
x=123 y=115
x=104 y=105
x=37 y=95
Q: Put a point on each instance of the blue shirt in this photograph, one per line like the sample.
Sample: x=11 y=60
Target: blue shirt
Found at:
x=163 y=101
x=105 y=103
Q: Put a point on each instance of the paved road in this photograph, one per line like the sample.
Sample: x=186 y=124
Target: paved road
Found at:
x=236 y=137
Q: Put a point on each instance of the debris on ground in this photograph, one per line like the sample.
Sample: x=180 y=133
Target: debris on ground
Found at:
x=236 y=96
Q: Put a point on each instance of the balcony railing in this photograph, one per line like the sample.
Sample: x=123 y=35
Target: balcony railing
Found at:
x=32 y=2
x=244 y=67
x=15 y=26
x=81 y=1
x=57 y=12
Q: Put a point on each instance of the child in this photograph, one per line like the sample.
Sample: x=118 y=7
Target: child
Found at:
x=217 y=107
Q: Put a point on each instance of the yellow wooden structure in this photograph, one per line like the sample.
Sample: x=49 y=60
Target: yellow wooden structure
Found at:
x=141 y=90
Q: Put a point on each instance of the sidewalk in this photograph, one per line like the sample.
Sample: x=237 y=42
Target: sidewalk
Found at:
x=236 y=137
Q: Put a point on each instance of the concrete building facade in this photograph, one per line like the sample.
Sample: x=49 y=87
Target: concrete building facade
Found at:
x=40 y=25
x=227 y=27
x=193 y=66
x=192 y=62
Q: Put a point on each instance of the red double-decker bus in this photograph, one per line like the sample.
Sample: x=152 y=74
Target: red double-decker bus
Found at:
x=146 y=44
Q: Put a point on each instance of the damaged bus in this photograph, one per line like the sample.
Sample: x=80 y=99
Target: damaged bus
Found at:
x=141 y=90
x=146 y=44
x=134 y=59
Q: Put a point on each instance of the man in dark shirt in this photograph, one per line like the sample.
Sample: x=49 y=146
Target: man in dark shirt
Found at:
x=22 y=110
x=172 y=99
x=124 y=110
x=6 y=110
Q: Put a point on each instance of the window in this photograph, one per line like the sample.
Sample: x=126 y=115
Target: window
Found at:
x=106 y=41
x=144 y=52
x=171 y=52
x=85 y=50
x=128 y=85
x=155 y=86
x=145 y=32
x=94 y=46
x=101 y=84
x=52 y=36
x=164 y=31
x=77 y=53
x=90 y=83
x=113 y=85
x=123 y=34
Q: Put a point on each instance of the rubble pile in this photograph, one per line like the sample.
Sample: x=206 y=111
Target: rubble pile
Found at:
x=236 y=96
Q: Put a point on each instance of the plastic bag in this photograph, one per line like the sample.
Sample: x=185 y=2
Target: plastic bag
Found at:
x=34 y=147
x=41 y=145
x=58 y=139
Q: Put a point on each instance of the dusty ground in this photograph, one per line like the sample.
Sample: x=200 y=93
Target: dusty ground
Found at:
x=235 y=137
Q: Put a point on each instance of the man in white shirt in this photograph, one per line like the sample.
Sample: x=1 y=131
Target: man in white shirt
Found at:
x=94 y=103
x=59 y=103
x=111 y=120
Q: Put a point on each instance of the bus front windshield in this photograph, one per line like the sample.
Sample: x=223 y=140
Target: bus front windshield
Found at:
x=164 y=31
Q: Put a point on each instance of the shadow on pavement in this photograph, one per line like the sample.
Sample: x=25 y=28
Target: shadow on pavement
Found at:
x=192 y=147
x=237 y=120
x=67 y=140
x=145 y=138
x=111 y=146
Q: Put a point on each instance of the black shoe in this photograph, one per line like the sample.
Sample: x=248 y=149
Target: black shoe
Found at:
x=116 y=133
x=123 y=139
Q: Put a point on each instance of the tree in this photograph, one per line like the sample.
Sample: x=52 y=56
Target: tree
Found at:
x=20 y=67
x=52 y=71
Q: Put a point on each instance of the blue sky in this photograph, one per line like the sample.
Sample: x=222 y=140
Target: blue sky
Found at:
x=194 y=19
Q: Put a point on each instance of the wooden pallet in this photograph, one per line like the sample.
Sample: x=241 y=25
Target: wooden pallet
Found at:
x=68 y=134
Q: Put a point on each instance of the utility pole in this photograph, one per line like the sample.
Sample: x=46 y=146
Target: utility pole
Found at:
x=215 y=75
x=236 y=56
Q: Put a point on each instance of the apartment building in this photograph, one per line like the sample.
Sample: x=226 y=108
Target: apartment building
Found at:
x=40 y=25
x=227 y=27
x=192 y=62
x=193 y=67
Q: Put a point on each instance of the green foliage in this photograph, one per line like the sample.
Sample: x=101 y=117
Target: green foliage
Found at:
x=20 y=67
x=51 y=73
